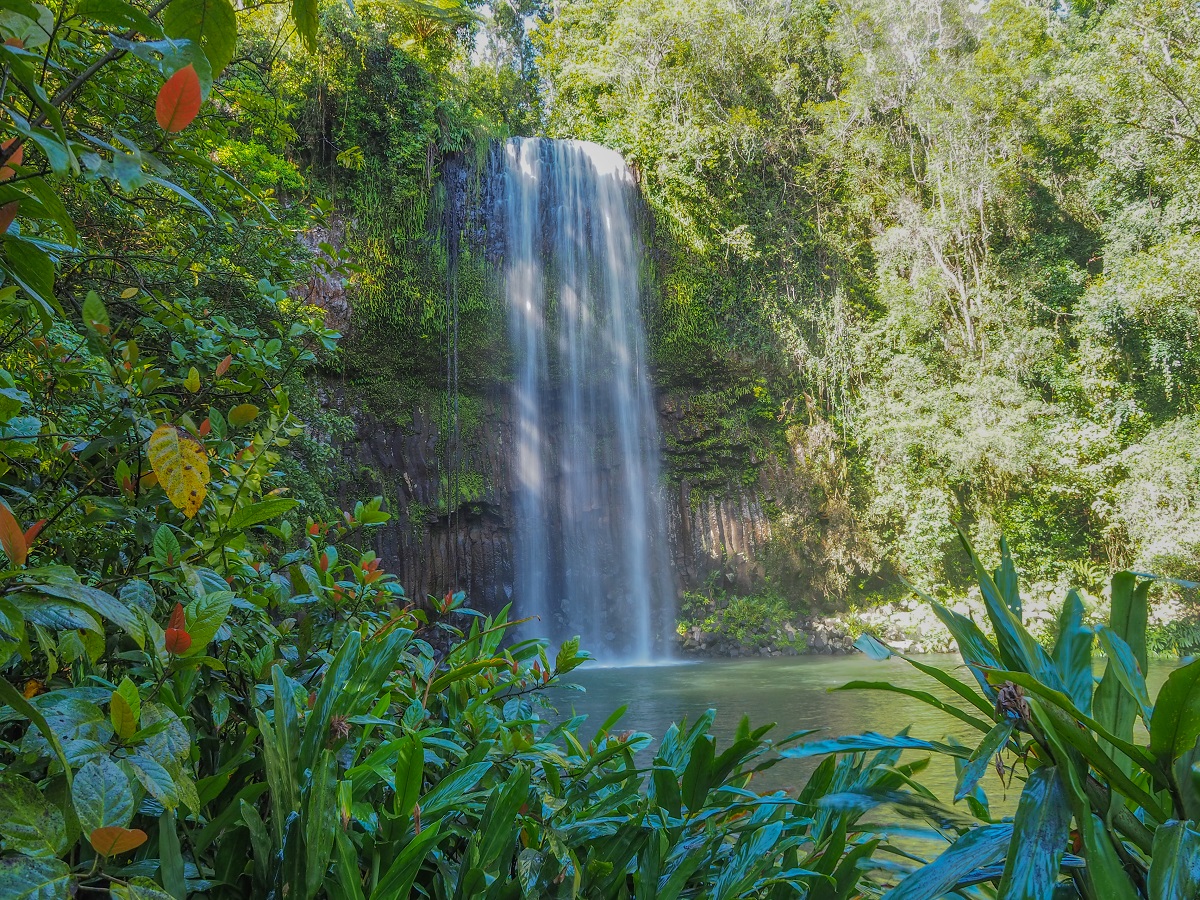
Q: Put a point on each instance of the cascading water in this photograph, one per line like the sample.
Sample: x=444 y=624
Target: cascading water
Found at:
x=591 y=552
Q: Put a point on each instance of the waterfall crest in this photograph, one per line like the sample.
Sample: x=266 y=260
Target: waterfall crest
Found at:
x=591 y=549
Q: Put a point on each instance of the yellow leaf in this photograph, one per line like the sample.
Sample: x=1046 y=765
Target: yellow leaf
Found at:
x=192 y=382
x=181 y=467
x=129 y=293
x=121 y=715
x=113 y=839
x=240 y=415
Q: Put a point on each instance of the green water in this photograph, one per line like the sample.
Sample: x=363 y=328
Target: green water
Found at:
x=795 y=693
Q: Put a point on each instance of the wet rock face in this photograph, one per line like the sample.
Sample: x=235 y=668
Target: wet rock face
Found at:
x=433 y=549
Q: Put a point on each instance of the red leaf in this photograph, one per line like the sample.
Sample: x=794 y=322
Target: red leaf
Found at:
x=205 y=428
x=8 y=212
x=178 y=101
x=177 y=641
x=12 y=538
x=223 y=366
x=178 y=622
x=14 y=160
x=32 y=532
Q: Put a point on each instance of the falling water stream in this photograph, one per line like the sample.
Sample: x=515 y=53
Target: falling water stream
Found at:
x=591 y=553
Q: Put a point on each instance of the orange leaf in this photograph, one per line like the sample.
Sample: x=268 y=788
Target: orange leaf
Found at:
x=113 y=839
x=223 y=365
x=8 y=212
x=205 y=428
x=32 y=532
x=33 y=687
x=14 y=160
x=12 y=538
x=177 y=621
x=178 y=101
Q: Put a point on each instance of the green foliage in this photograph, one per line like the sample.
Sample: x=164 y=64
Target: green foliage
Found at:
x=1102 y=813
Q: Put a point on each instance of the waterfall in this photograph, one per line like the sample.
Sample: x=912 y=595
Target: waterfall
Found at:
x=591 y=555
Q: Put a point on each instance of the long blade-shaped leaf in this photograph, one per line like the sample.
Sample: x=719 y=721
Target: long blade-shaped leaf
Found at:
x=1040 y=832
x=981 y=759
x=1073 y=653
x=1175 y=868
x=978 y=847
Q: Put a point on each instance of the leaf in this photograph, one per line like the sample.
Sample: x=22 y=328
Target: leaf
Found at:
x=166 y=547
x=1175 y=863
x=320 y=821
x=192 y=382
x=1175 y=725
x=397 y=880
x=8 y=214
x=26 y=878
x=12 y=538
x=181 y=467
x=1073 y=653
x=1127 y=670
x=121 y=715
x=118 y=14
x=102 y=795
x=205 y=615
x=243 y=414
x=923 y=696
x=210 y=23
x=95 y=315
x=113 y=840
x=865 y=743
x=178 y=100
x=13 y=698
x=170 y=857
x=263 y=511
x=223 y=366
x=1040 y=831
x=978 y=847
x=155 y=779
x=977 y=766
x=305 y=13
x=28 y=823
x=97 y=601
x=139 y=888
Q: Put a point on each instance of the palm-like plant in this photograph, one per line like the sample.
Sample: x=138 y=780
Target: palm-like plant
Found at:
x=1101 y=815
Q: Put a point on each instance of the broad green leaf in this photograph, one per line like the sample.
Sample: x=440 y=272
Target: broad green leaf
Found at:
x=95 y=316
x=28 y=823
x=257 y=513
x=98 y=601
x=320 y=821
x=102 y=795
x=977 y=848
x=166 y=547
x=170 y=857
x=1073 y=653
x=1127 y=670
x=210 y=23
x=1175 y=866
x=868 y=742
x=55 y=615
x=1175 y=725
x=155 y=778
x=27 y=878
x=305 y=14
x=976 y=650
x=398 y=879
x=1040 y=832
x=205 y=615
x=120 y=15
x=1113 y=706
x=139 y=888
